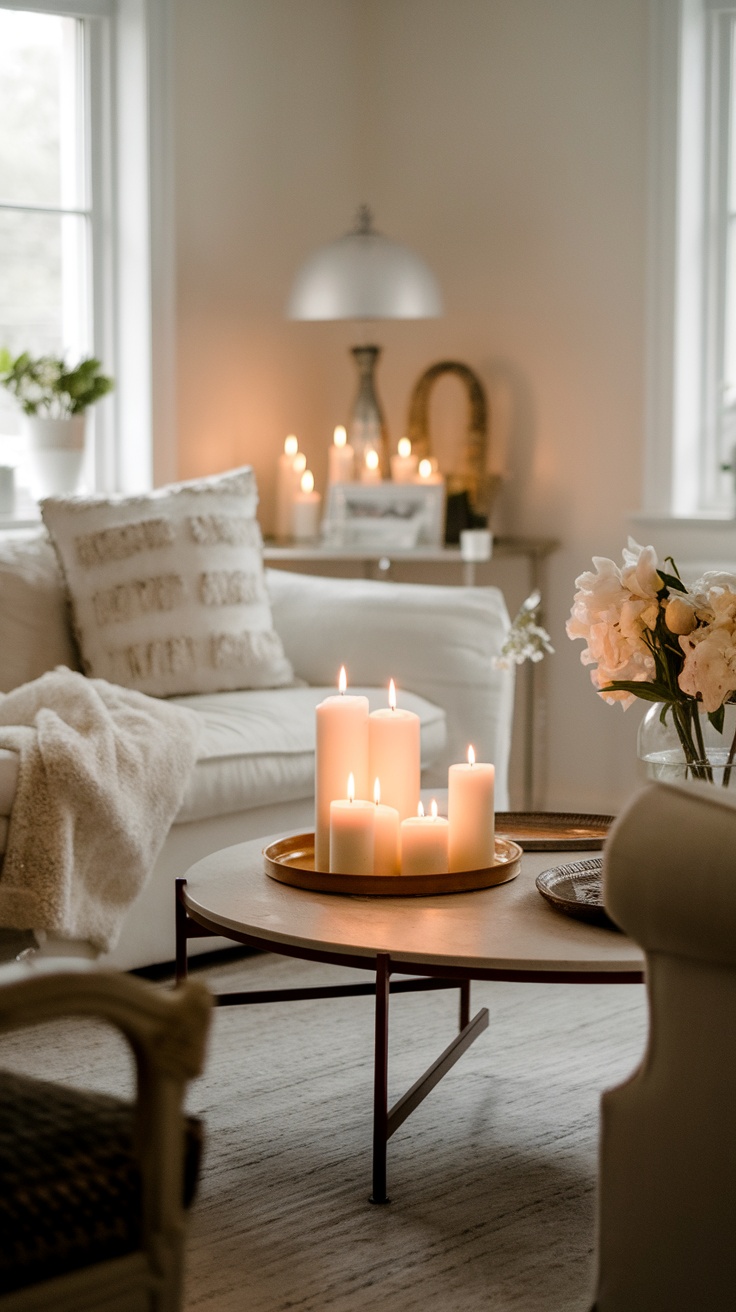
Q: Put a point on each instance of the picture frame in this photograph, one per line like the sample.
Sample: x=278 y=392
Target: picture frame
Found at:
x=396 y=516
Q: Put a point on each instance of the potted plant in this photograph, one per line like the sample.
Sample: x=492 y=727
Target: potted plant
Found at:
x=54 y=398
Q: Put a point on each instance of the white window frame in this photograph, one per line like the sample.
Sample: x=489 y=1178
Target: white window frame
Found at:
x=129 y=87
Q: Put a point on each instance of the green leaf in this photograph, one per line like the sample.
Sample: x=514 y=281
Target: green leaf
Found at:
x=716 y=718
x=649 y=692
x=672 y=581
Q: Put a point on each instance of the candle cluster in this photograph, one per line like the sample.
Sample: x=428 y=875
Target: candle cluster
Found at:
x=299 y=505
x=362 y=755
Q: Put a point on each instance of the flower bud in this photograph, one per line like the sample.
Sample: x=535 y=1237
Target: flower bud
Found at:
x=679 y=616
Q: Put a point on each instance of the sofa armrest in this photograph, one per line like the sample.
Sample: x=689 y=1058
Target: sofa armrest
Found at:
x=669 y=871
x=437 y=641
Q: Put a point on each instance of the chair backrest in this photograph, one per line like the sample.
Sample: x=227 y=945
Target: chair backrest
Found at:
x=667 y=1190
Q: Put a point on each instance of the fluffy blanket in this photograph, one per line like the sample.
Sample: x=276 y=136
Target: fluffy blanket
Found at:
x=101 y=777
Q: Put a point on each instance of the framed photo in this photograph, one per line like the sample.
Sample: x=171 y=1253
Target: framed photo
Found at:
x=385 y=515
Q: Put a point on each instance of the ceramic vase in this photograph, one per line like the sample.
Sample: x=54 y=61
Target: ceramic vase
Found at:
x=55 y=453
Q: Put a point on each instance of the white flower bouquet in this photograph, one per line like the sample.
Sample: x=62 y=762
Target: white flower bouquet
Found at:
x=650 y=635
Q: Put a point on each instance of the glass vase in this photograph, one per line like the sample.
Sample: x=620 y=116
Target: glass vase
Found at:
x=661 y=749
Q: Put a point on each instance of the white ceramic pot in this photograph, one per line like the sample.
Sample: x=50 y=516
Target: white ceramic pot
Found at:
x=55 y=450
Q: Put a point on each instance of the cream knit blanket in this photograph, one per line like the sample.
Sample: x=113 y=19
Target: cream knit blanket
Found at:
x=101 y=777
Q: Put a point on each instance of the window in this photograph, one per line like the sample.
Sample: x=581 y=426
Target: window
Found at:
x=85 y=200
x=692 y=357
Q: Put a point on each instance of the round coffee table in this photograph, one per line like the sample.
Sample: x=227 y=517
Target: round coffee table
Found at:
x=504 y=933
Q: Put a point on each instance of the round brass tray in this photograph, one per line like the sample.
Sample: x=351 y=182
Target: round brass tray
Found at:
x=291 y=861
x=554 y=831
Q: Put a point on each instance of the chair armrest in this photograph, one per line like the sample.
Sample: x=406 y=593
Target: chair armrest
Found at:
x=439 y=642
x=167 y=1032
x=669 y=871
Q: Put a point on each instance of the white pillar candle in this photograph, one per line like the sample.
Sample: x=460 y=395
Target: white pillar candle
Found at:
x=386 y=836
x=341 y=458
x=394 y=747
x=428 y=473
x=352 y=827
x=471 y=815
x=341 y=749
x=286 y=486
x=371 y=470
x=305 y=510
x=424 y=844
x=404 y=464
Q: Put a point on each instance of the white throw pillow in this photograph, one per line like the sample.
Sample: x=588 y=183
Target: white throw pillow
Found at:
x=167 y=587
x=34 y=622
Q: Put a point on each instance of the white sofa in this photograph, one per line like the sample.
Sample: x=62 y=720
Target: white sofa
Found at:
x=255 y=773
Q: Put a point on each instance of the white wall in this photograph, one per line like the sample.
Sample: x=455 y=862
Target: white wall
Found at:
x=506 y=141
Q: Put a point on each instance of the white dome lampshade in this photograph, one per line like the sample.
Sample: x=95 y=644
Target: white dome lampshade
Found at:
x=364 y=275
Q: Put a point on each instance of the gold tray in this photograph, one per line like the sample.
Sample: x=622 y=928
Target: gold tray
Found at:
x=291 y=861
x=554 y=831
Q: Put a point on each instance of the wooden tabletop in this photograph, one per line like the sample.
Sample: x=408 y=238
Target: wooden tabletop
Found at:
x=506 y=928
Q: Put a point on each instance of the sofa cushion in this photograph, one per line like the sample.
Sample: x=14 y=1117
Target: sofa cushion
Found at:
x=35 y=618
x=167 y=587
x=258 y=747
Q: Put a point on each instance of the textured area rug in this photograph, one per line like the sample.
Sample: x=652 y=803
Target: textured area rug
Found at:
x=492 y=1179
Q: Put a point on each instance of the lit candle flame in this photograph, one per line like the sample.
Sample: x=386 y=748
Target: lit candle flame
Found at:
x=471 y=756
x=307 y=484
x=377 y=791
x=420 y=810
x=342 y=681
x=433 y=809
x=425 y=468
x=340 y=436
x=404 y=447
x=372 y=459
x=392 y=695
x=351 y=788
x=291 y=445
x=300 y=462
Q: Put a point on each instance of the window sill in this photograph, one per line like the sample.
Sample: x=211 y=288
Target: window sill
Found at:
x=699 y=541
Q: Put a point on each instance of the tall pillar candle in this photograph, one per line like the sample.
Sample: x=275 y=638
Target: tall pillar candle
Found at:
x=395 y=755
x=424 y=844
x=371 y=468
x=352 y=827
x=471 y=815
x=341 y=750
x=285 y=487
x=404 y=465
x=305 y=510
x=341 y=467
x=385 y=836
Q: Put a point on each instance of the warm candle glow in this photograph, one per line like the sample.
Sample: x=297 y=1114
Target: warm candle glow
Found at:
x=291 y=445
x=340 y=436
x=377 y=791
x=351 y=788
x=404 y=447
x=471 y=756
x=420 y=810
x=300 y=462
x=392 y=695
x=372 y=459
x=307 y=483
x=425 y=468
x=342 y=681
x=433 y=809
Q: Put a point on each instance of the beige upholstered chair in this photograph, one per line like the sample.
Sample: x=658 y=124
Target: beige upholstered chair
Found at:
x=93 y=1188
x=667 y=1196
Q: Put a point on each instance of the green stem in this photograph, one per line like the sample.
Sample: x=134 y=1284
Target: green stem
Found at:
x=729 y=762
x=705 y=771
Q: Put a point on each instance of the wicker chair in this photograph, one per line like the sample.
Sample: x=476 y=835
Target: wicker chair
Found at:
x=93 y=1189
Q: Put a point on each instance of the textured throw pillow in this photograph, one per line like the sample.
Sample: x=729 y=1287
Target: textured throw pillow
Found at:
x=167 y=588
x=34 y=621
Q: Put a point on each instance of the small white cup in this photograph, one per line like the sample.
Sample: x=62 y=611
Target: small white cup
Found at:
x=7 y=489
x=476 y=544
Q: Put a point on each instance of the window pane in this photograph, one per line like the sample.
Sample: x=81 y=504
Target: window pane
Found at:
x=41 y=145
x=43 y=292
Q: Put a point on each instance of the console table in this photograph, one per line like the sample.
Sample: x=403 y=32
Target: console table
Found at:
x=378 y=564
